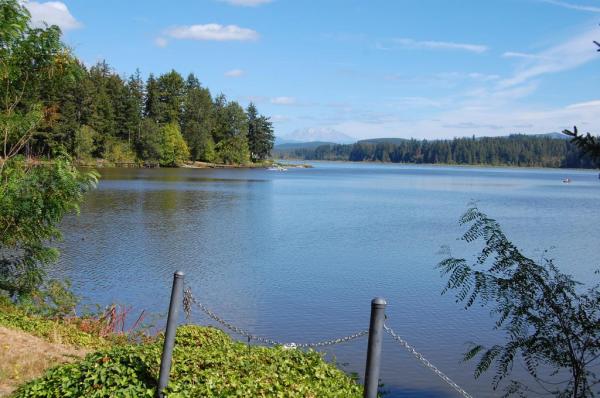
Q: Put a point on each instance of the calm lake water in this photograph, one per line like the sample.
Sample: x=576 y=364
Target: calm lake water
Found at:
x=298 y=255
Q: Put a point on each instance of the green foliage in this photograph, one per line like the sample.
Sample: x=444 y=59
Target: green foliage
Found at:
x=33 y=200
x=551 y=323
x=30 y=59
x=174 y=150
x=206 y=363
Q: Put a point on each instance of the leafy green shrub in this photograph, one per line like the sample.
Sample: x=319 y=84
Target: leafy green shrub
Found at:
x=207 y=363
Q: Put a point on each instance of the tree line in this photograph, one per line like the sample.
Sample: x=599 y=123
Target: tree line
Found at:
x=96 y=113
x=514 y=150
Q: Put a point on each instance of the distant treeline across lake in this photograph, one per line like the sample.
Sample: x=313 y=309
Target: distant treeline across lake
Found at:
x=513 y=150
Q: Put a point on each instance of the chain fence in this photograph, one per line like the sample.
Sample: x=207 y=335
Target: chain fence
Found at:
x=189 y=300
x=425 y=362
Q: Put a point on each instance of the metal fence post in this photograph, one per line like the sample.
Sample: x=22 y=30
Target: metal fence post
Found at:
x=172 y=318
x=374 y=349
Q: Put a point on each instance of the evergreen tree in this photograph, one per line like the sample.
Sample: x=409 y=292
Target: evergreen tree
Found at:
x=260 y=134
x=134 y=107
x=171 y=93
x=197 y=120
x=151 y=101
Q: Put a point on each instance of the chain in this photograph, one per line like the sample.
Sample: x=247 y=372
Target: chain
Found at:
x=425 y=362
x=189 y=299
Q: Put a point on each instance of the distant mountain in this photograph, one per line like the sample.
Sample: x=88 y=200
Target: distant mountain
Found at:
x=318 y=134
x=301 y=145
x=283 y=141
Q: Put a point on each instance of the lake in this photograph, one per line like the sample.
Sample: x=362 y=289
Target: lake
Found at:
x=298 y=255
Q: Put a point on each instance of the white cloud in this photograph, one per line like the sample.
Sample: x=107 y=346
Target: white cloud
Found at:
x=214 y=32
x=234 y=73
x=52 y=13
x=588 y=104
x=247 y=3
x=567 y=55
x=440 y=45
x=283 y=100
x=464 y=121
x=571 y=6
x=515 y=54
x=483 y=76
x=161 y=42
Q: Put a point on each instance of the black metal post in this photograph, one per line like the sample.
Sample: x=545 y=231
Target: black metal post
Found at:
x=171 y=329
x=374 y=349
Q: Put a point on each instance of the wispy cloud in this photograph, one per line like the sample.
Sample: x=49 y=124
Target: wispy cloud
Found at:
x=52 y=13
x=588 y=104
x=467 y=120
x=283 y=101
x=212 y=32
x=567 y=55
x=234 y=73
x=516 y=54
x=438 y=45
x=578 y=7
x=247 y=3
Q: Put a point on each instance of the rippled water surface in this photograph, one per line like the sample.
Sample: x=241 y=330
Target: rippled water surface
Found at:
x=298 y=255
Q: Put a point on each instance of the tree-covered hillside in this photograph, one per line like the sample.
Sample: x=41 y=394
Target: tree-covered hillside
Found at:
x=514 y=150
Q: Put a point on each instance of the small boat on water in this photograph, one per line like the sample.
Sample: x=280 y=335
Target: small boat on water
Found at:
x=566 y=180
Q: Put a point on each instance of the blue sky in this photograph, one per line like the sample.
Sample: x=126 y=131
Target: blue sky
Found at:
x=395 y=68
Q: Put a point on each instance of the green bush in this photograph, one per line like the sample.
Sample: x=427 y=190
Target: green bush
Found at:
x=207 y=363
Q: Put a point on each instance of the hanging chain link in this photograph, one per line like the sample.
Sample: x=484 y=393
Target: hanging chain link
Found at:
x=425 y=362
x=189 y=299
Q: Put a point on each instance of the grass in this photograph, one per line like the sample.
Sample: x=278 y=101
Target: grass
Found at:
x=25 y=357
